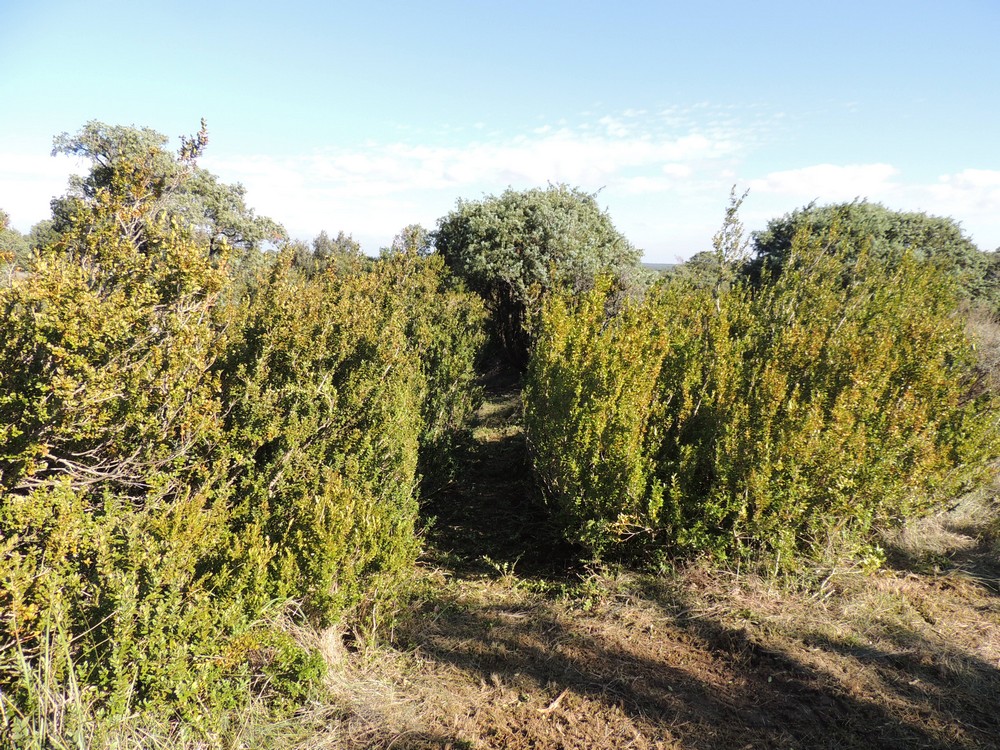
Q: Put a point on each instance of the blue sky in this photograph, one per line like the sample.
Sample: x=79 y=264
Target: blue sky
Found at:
x=365 y=117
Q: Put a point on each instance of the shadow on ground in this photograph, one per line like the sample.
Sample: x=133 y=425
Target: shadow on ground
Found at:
x=650 y=668
x=964 y=543
x=553 y=678
x=490 y=520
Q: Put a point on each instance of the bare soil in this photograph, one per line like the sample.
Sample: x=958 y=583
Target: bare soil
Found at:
x=512 y=643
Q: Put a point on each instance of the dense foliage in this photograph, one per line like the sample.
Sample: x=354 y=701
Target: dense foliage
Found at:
x=194 y=197
x=341 y=254
x=14 y=247
x=889 y=235
x=182 y=458
x=803 y=415
x=117 y=549
x=446 y=329
x=514 y=248
x=206 y=448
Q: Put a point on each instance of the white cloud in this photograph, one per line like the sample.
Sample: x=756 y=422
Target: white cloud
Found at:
x=29 y=181
x=829 y=182
x=977 y=190
x=664 y=176
x=375 y=189
x=971 y=196
x=677 y=170
x=635 y=158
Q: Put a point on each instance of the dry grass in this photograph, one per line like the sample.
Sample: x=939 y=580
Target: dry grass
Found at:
x=700 y=659
x=984 y=330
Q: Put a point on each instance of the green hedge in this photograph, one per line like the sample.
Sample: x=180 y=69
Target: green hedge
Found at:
x=323 y=424
x=120 y=568
x=177 y=465
x=794 y=419
x=446 y=329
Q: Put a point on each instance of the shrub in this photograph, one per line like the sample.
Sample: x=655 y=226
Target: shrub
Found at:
x=888 y=235
x=176 y=463
x=445 y=326
x=114 y=513
x=514 y=248
x=811 y=412
x=591 y=388
x=323 y=424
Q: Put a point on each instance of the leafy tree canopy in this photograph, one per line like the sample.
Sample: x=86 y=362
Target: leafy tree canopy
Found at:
x=324 y=247
x=13 y=244
x=514 y=248
x=341 y=253
x=181 y=189
x=890 y=234
x=413 y=238
x=42 y=234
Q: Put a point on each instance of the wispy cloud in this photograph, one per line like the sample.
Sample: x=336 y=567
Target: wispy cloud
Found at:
x=971 y=196
x=375 y=188
x=976 y=191
x=829 y=182
x=663 y=175
x=550 y=156
x=29 y=181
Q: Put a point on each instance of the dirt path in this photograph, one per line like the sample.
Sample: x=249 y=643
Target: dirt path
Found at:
x=513 y=645
x=490 y=521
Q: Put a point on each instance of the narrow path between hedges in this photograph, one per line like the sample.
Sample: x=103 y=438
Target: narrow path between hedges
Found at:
x=491 y=519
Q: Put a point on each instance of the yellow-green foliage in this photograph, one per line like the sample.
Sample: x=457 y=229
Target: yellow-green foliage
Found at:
x=323 y=420
x=592 y=384
x=446 y=329
x=812 y=412
x=176 y=464
x=114 y=520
